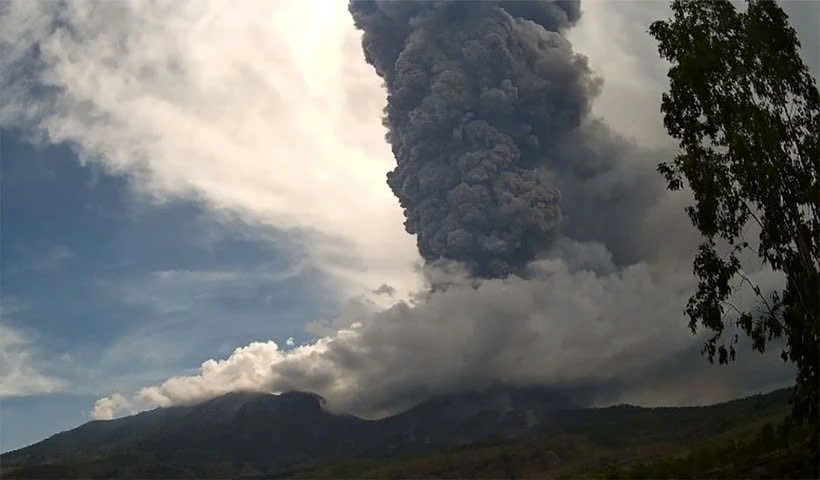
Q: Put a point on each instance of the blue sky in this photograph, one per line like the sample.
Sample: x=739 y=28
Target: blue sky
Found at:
x=117 y=291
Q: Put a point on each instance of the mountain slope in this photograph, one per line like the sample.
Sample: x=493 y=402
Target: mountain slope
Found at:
x=259 y=430
x=253 y=434
x=101 y=436
x=738 y=439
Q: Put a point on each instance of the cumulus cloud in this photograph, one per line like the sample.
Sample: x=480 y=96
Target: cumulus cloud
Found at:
x=19 y=372
x=236 y=106
x=105 y=408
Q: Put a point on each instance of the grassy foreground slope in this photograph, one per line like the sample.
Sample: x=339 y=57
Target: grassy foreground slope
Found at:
x=746 y=438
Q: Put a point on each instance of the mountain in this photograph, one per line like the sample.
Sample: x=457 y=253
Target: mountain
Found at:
x=258 y=435
x=263 y=431
x=462 y=418
x=746 y=438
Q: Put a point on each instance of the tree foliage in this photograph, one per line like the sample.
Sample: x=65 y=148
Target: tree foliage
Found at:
x=746 y=113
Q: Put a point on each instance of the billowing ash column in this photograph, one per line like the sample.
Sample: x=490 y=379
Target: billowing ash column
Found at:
x=477 y=93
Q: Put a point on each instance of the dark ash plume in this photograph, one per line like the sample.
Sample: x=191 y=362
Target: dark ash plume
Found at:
x=479 y=96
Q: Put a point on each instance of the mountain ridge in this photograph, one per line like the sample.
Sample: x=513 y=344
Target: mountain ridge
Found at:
x=248 y=433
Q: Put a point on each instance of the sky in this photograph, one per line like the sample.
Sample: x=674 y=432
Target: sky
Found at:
x=193 y=201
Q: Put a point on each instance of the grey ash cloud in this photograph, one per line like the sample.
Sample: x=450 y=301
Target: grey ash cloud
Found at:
x=480 y=95
x=385 y=289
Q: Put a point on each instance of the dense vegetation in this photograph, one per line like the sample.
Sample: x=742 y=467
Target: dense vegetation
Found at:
x=746 y=113
x=774 y=450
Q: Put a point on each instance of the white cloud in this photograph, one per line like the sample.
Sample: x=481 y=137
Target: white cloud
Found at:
x=562 y=327
x=614 y=35
x=263 y=109
x=181 y=317
x=19 y=374
x=106 y=408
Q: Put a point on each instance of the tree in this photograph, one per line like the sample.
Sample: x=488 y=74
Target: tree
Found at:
x=746 y=113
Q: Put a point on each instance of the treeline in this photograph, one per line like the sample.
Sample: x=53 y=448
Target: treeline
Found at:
x=780 y=450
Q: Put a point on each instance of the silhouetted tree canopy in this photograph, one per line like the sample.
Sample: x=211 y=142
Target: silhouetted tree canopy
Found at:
x=746 y=113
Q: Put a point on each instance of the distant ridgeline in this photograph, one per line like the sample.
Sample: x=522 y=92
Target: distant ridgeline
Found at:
x=262 y=435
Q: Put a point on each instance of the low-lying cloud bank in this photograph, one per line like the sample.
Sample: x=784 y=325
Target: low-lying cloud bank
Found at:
x=577 y=323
